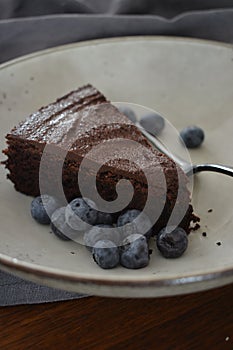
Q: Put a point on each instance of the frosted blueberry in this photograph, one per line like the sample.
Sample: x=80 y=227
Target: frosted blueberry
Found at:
x=141 y=224
x=153 y=123
x=104 y=218
x=128 y=112
x=172 y=242
x=59 y=226
x=106 y=254
x=81 y=213
x=134 y=252
x=42 y=207
x=193 y=136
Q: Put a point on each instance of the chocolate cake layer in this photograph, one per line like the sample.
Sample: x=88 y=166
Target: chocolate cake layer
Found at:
x=77 y=124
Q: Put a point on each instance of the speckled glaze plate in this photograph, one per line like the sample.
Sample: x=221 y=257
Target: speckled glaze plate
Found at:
x=188 y=81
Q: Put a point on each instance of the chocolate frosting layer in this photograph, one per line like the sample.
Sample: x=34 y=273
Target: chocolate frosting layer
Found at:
x=84 y=123
x=52 y=119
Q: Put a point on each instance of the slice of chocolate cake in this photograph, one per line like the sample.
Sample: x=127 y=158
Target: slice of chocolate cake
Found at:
x=74 y=126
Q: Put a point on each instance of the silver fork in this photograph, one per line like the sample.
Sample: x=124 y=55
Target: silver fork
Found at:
x=188 y=168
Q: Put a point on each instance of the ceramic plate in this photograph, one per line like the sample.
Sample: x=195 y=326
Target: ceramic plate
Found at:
x=188 y=81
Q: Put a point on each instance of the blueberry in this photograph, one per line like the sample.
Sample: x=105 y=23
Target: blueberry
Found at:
x=106 y=254
x=172 y=242
x=59 y=226
x=153 y=123
x=104 y=218
x=101 y=232
x=128 y=112
x=134 y=252
x=127 y=217
x=193 y=136
x=42 y=207
x=80 y=213
x=141 y=223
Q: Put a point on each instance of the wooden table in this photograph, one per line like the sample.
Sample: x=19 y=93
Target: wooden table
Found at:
x=195 y=321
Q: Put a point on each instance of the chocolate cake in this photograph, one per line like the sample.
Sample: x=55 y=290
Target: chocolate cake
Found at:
x=75 y=124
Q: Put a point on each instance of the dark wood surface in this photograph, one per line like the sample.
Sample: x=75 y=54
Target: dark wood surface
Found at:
x=195 y=321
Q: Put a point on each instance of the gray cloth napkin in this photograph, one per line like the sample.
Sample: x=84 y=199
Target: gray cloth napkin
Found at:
x=27 y=26
x=16 y=291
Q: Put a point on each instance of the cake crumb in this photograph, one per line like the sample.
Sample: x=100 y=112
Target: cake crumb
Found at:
x=196 y=227
x=72 y=252
x=219 y=243
x=210 y=210
x=204 y=234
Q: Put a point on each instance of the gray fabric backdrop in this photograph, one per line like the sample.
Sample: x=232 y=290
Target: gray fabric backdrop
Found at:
x=31 y=25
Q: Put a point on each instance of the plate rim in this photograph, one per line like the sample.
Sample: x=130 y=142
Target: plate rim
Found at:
x=53 y=273
x=116 y=39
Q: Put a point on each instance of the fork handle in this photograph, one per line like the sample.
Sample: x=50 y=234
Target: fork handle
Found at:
x=217 y=168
